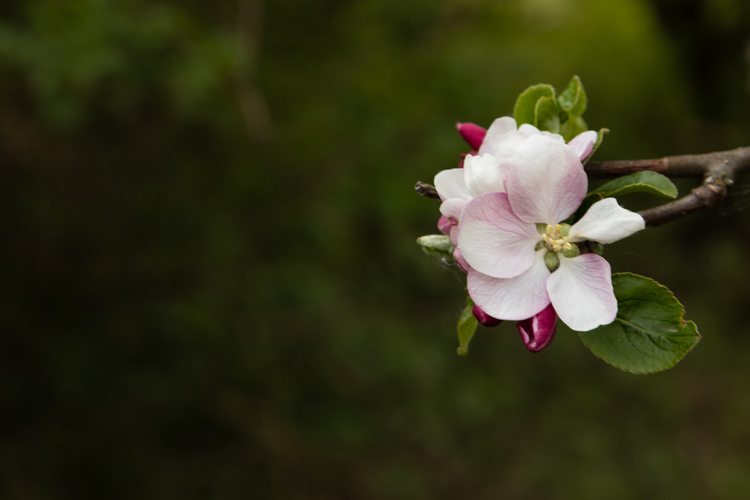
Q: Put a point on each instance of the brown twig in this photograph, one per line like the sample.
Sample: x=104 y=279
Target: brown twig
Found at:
x=717 y=169
x=673 y=166
x=426 y=190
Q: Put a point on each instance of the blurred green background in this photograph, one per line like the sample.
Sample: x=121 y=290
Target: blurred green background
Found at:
x=210 y=282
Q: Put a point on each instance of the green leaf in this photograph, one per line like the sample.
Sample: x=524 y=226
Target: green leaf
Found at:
x=467 y=325
x=649 y=333
x=547 y=115
x=525 y=108
x=573 y=100
x=572 y=128
x=639 y=182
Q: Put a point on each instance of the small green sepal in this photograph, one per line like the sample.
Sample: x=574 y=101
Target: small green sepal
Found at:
x=552 y=261
x=573 y=252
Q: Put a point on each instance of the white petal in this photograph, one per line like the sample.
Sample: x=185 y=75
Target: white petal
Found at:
x=499 y=127
x=451 y=184
x=606 y=222
x=483 y=175
x=581 y=292
x=583 y=143
x=547 y=182
x=554 y=136
x=514 y=298
x=505 y=146
x=529 y=129
x=493 y=240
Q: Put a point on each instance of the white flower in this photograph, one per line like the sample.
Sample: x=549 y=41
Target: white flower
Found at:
x=506 y=236
x=484 y=173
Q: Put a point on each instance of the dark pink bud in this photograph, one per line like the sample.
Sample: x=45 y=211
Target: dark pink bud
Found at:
x=484 y=318
x=538 y=331
x=473 y=134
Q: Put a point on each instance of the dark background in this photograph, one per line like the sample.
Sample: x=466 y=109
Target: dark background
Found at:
x=210 y=282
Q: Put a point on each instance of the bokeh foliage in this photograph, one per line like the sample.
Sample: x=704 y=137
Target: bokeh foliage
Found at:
x=211 y=287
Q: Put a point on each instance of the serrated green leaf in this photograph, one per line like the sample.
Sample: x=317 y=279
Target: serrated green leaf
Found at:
x=639 y=182
x=525 y=108
x=649 y=333
x=573 y=99
x=467 y=325
x=547 y=115
x=572 y=128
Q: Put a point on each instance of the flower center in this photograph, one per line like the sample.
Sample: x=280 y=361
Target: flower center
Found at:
x=554 y=238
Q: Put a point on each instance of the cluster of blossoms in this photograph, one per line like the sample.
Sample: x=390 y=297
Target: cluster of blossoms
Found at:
x=503 y=210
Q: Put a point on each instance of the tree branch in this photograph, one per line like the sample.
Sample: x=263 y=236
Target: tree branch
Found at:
x=674 y=166
x=717 y=169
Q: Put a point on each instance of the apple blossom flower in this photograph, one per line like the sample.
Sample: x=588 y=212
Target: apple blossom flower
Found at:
x=521 y=258
x=483 y=173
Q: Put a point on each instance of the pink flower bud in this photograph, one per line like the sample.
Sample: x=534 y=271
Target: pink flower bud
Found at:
x=484 y=318
x=539 y=330
x=473 y=134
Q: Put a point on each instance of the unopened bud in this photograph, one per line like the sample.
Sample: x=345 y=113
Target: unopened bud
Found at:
x=436 y=243
x=538 y=331
x=484 y=318
x=472 y=134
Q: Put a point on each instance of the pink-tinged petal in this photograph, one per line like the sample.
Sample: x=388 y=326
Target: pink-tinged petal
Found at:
x=452 y=209
x=451 y=184
x=473 y=134
x=493 y=240
x=483 y=174
x=484 y=318
x=547 y=183
x=445 y=225
x=513 y=298
x=499 y=127
x=581 y=291
x=538 y=331
x=460 y=261
x=583 y=143
x=606 y=222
